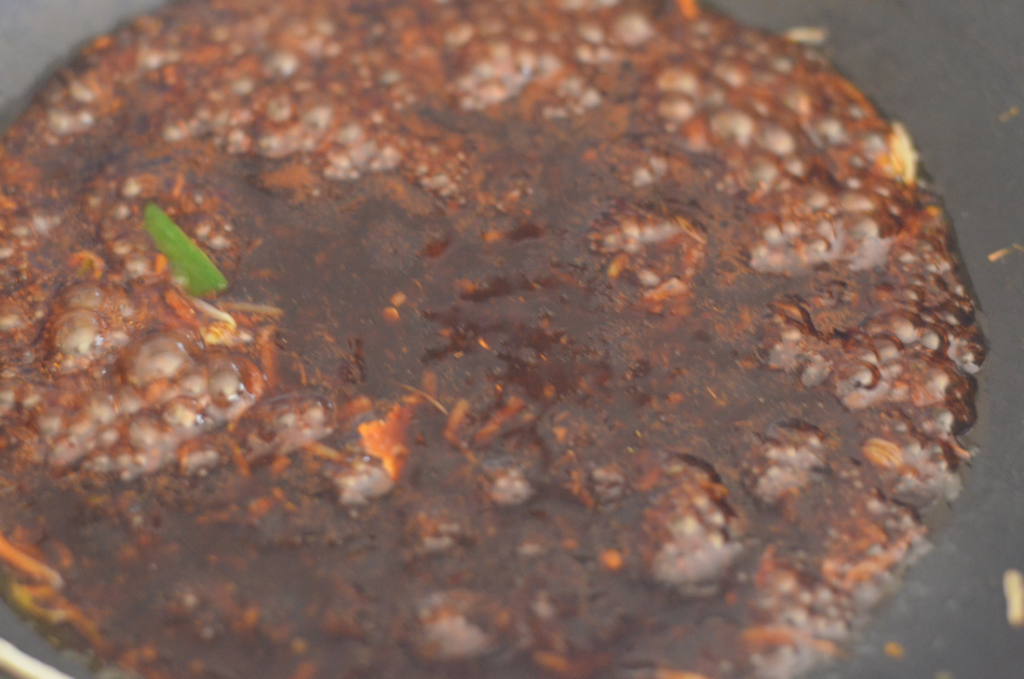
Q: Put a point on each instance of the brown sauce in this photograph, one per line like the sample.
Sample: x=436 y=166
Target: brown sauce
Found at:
x=580 y=339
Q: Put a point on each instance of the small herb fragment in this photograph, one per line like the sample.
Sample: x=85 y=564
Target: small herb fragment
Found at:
x=190 y=264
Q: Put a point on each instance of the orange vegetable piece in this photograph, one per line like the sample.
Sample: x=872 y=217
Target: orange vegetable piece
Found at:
x=28 y=565
x=689 y=8
x=385 y=439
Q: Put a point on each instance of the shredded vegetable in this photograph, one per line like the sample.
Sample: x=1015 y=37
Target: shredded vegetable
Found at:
x=190 y=264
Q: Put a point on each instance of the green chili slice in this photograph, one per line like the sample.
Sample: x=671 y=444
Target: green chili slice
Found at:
x=189 y=263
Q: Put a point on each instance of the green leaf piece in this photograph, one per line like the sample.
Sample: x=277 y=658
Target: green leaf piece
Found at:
x=188 y=261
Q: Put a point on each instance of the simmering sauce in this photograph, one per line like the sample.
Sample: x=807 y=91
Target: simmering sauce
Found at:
x=569 y=339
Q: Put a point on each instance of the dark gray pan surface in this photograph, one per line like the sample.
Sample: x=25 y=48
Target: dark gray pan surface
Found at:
x=948 y=69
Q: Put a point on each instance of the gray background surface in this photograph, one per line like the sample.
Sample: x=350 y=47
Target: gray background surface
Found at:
x=948 y=69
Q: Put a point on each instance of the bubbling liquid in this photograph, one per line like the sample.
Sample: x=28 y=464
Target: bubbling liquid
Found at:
x=579 y=339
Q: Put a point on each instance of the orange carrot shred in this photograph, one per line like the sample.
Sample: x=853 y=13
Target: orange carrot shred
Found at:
x=385 y=439
x=689 y=8
x=28 y=565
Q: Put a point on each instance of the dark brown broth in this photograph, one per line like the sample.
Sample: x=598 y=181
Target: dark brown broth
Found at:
x=667 y=387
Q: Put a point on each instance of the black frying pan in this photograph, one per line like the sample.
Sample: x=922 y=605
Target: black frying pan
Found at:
x=953 y=71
